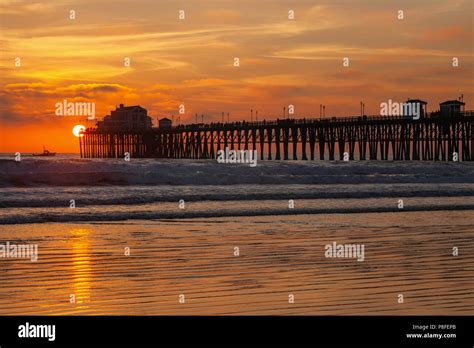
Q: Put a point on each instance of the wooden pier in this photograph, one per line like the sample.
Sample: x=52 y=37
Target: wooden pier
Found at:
x=432 y=138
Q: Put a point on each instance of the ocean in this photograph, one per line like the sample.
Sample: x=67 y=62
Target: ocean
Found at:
x=192 y=237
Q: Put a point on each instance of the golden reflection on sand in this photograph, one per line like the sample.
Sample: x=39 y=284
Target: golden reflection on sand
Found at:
x=81 y=267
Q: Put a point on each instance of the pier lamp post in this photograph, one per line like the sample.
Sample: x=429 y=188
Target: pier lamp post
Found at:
x=228 y=120
x=222 y=116
x=256 y=115
x=251 y=115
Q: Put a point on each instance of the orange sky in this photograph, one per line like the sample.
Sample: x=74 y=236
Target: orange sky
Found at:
x=190 y=61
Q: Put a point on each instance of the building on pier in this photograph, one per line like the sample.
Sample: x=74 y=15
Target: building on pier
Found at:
x=165 y=123
x=451 y=107
x=126 y=118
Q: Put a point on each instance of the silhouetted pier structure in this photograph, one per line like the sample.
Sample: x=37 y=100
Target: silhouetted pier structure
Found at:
x=432 y=138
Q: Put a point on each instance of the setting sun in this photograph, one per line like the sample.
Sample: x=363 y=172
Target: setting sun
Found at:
x=77 y=130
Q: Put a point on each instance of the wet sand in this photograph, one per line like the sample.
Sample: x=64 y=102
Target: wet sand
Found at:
x=407 y=253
